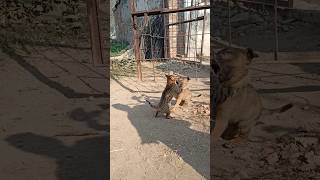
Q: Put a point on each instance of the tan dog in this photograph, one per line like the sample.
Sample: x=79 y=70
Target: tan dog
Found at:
x=238 y=104
x=184 y=95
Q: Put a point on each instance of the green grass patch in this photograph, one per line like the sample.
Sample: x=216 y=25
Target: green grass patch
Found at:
x=117 y=48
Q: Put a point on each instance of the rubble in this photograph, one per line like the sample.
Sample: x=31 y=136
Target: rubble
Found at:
x=176 y=66
x=272 y=158
x=201 y=109
x=307 y=141
x=290 y=156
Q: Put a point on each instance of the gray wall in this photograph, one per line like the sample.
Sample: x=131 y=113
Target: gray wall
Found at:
x=122 y=16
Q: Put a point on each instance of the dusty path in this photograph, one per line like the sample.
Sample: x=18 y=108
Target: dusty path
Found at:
x=144 y=147
x=51 y=125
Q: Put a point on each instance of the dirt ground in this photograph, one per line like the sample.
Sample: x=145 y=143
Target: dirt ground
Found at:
x=53 y=114
x=281 y=146
x=145 y=147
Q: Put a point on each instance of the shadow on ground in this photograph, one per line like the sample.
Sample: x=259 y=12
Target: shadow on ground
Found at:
x=191 y=145
x=33 y=70
x=86 y=159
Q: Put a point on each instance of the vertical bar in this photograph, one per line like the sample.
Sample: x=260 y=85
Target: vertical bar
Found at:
x=196 y=36
x=150 y=29
x=136 y=40
x=276 y=41
x=203 y=29
x=165 y=30
x=229 y=23
x=189 y=29
x=180 y=29
x=196 y=43
x=95 y=32
x=170 y=34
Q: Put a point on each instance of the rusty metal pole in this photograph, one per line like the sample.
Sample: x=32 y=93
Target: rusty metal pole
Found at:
x=276 y=41
x=152 y=48
x=136 y=40
x=95 y=32
x=166 y=29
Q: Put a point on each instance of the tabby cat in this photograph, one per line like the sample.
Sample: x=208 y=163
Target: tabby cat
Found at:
x=171 y=90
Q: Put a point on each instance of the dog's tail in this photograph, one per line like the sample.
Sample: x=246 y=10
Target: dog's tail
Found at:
x=277 y=110
x=152 y=105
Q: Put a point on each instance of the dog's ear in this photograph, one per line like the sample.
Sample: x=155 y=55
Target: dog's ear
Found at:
x=251 y=54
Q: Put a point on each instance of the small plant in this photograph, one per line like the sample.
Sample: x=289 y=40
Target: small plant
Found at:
x=118 y=48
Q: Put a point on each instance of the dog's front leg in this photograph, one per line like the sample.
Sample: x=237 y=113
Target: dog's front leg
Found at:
x=220 y=126
x=179 y=100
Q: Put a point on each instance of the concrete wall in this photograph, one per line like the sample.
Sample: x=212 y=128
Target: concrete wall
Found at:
x=122 y=16
x=122 y=21
x=112 y=23
x=197 y=29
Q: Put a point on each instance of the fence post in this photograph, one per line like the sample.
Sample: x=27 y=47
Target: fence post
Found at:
x=136 y=39
x=96 y=37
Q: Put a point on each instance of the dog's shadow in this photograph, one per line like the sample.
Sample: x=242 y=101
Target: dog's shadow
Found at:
x=88 y=158
x=191 y=145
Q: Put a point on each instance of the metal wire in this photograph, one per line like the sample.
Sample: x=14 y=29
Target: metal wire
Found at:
x=166 y=36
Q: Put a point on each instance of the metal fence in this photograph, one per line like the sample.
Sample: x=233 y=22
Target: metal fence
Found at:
x=175 y=30
x=279 y=13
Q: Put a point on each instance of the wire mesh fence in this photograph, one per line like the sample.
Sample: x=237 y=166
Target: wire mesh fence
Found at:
x=176 y=35
x=165 y=30
x=266 y=25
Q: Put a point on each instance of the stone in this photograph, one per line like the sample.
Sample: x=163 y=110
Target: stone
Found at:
x=272 y=158
x=268 y=150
